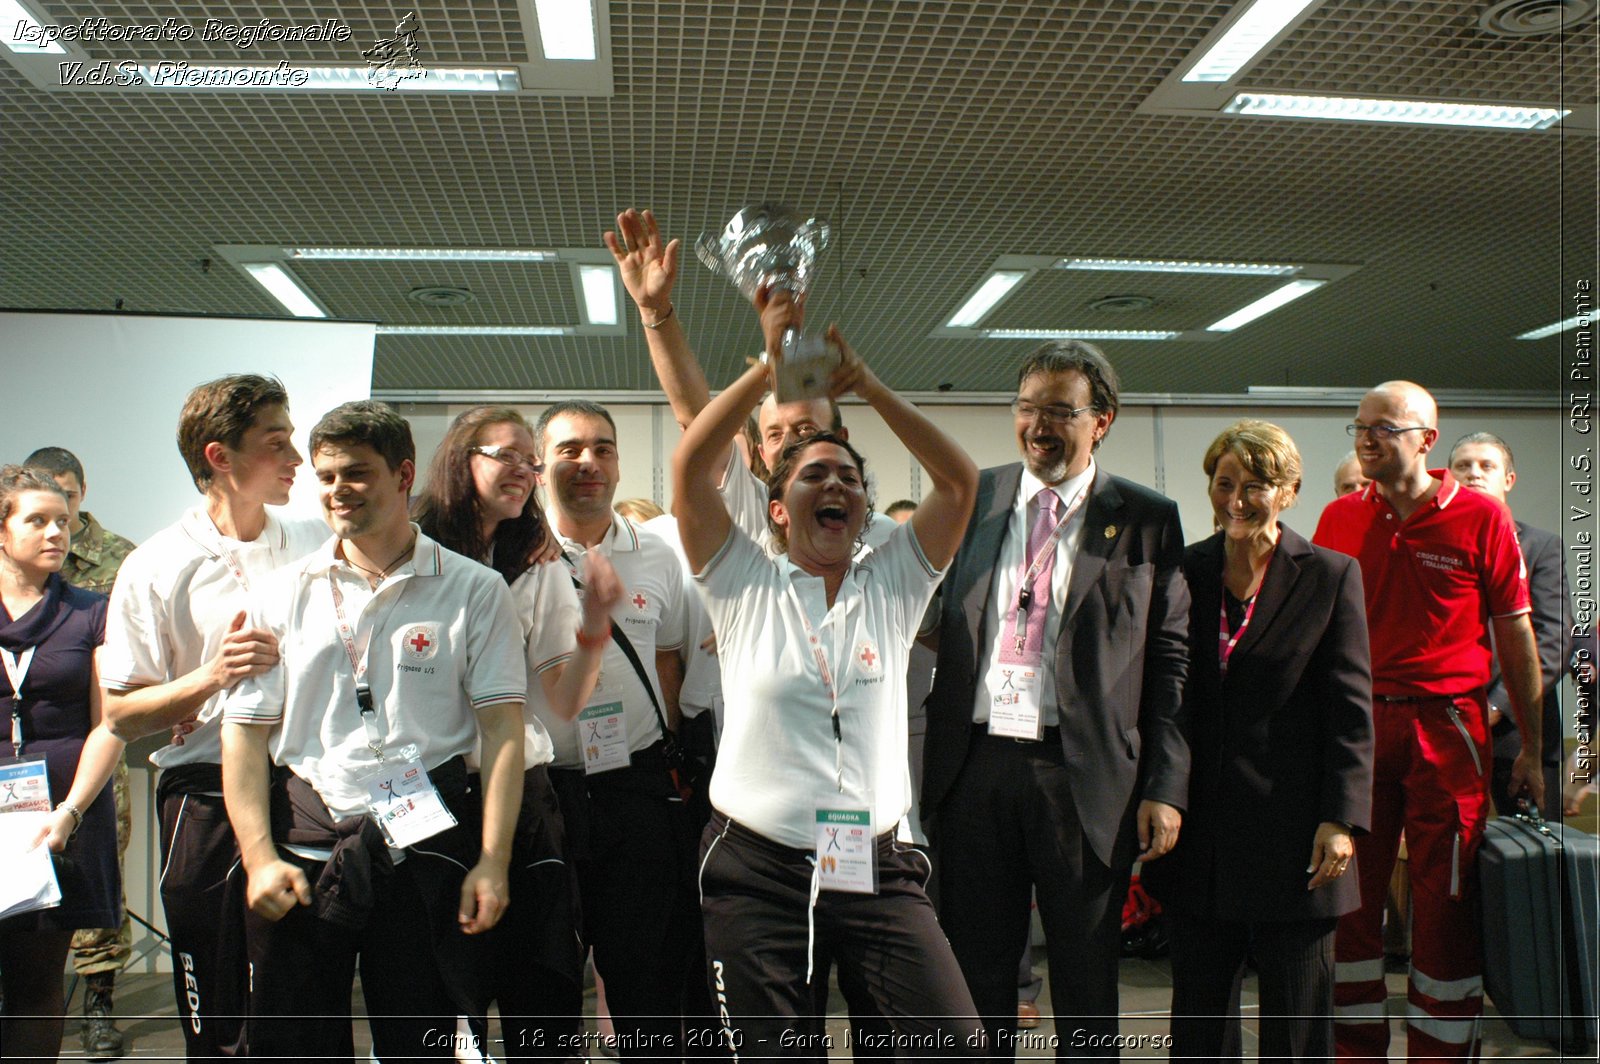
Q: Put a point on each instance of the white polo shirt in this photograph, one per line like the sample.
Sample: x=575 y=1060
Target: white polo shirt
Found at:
x=777 y=763
x=175 y=597
x=702 y=678
x=745 y=496
x=650 y=613
x=1003 y=588
x=547 y=606
x=441 y=639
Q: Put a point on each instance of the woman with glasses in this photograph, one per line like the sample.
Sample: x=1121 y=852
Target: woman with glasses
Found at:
x=1278 y=707
x=479 y=501
x=49 y=631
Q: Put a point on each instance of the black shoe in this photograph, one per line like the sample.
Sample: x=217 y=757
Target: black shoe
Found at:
x=101 y=1039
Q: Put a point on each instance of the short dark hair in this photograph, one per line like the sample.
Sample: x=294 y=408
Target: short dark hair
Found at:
x=367 y=421
x=1492 y=440
x=15 y=479
x=785 y=468
x=569 y=406
x=900 y=506
x=222 y=411
x=57 y=461
x=1076 y=356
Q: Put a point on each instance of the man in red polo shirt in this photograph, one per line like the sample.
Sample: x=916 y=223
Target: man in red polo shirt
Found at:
x=1441 y=570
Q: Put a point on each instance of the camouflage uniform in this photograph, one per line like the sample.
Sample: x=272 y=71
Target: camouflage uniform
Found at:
x=92 y=564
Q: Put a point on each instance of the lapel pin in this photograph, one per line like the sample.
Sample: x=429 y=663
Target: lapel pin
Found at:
x=1111 y=531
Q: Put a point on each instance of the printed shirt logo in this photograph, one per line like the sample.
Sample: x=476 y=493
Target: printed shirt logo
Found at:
x=420 y=642
x=868 y=659
x=639 y=601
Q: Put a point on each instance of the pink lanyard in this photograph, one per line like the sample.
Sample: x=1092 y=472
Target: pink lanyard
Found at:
x=1225 y=642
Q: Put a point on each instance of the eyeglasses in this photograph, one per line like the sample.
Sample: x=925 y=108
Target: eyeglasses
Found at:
x=1382 y=432
x=509 y=457
x=1054 y=415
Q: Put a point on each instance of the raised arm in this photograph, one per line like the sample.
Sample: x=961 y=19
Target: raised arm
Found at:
x=567 y=687
x=941 y=519
x=698 y=463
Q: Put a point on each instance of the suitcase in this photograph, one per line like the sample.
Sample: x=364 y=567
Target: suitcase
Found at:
x=1541 y=928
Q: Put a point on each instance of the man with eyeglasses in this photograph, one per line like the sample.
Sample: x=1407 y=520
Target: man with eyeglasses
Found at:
x=1441 y=569
x=1054 y=752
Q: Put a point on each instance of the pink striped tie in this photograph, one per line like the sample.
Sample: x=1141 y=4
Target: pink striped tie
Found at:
x=1029 y=649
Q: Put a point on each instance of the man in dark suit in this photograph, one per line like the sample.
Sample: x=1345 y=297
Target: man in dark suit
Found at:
x=1483 y=461
x=1054 y=753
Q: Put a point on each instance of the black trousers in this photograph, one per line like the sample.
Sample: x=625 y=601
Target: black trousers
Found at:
x=1009 y=832
x=631 y=837
x=303 y=970
x=202 y=891
x=756 y=897
x=1294 y=961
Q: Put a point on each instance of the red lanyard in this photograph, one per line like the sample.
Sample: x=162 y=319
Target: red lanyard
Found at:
x=1226 y=642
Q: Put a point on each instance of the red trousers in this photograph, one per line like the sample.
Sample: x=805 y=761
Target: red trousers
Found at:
x=1430 y=779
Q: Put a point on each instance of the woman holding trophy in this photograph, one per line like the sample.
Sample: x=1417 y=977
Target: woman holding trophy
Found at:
x=811 y=777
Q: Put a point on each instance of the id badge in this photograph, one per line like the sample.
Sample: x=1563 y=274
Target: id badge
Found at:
x=405 y=804
x=847 y=856
x=1014 y=711
x=603 y=735
x=24 y=785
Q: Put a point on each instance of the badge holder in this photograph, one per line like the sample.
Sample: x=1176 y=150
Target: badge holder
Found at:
x=846 y=851
x=603 y=737
x=401 y=799
x=1014 y=703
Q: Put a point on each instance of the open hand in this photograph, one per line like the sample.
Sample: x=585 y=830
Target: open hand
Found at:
x=648 y=268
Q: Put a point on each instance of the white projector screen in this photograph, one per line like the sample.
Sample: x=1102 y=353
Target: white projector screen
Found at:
x=108 y=388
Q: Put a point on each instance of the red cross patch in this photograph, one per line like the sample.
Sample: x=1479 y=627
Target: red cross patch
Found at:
x=868 y=658
x=639 y=601
x=420 y=641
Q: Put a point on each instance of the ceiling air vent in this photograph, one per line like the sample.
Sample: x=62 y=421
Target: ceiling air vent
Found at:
x=1122 y=304
x=440 y=296
x=1529 y=18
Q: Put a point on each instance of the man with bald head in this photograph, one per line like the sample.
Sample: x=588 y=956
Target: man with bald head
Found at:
x=1347 y=476
x=1441 y=570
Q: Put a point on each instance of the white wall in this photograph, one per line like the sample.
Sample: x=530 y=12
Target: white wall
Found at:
x=108 y=388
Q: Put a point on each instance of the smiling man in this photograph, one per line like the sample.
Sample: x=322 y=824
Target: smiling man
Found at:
x=633 y=840
x=1054 y=753
x=397 y=655
x=176 y=639
x=1441 y=570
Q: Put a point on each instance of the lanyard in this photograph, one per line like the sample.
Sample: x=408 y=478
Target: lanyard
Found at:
x=1022 y=601
x=206 y=533
x=16 y=671
x=358 y=662
x=828 y=685
x=1225 y=642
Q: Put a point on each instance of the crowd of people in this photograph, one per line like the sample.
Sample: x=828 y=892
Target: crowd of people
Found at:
x=461 y=740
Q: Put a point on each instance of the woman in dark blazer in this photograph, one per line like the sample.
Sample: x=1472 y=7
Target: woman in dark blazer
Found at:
x=1278 y=708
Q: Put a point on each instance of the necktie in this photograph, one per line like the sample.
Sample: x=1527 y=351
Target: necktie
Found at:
x=1023 y=638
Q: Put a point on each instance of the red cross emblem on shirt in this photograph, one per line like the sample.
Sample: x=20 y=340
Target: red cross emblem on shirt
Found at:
x=639 y=601
x=868 y=656
x=421 y=642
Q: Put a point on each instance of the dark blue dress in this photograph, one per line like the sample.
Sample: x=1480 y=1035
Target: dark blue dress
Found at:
x=66 y=626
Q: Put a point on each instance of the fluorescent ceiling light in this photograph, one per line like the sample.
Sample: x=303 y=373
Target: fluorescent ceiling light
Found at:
x=1254 y=30
x=1423 y=112
x=992 y=291
x=599 y=294
x=424 y=254
x=1076 y=334
x=1551 y=330
x=201 y=77
x=1268 y=303
x=285 y=289
x=1251 y=269
x=566 y=28
x=474 y=330
x=22 y=33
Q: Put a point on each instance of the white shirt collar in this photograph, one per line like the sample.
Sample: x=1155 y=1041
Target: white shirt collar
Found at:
x=1066 y=491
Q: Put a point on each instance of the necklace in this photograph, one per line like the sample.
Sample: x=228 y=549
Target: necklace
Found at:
x=383 y=573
